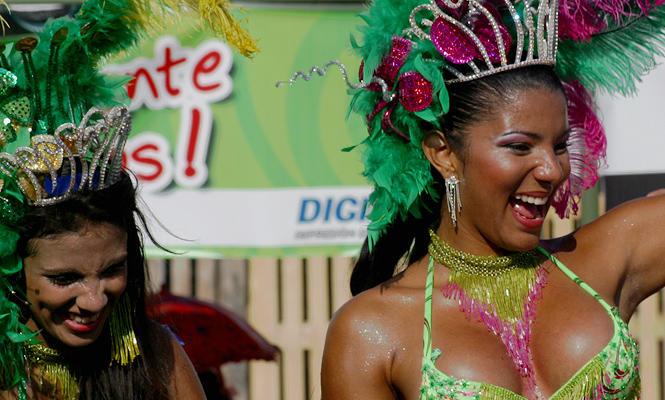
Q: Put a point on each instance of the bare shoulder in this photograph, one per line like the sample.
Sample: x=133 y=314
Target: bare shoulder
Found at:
x=184 y=383
x=367 y=337
x=622 y=227
x=600 y=246
x=375 y=312
x=382 y=309
x=631 y=238
x=597 y=262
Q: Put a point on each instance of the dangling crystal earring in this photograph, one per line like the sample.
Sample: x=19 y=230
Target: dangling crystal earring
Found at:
x=124 y=346
x=452 y=198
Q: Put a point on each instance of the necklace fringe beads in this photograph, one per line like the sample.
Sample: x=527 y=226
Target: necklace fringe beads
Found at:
x=124 y=345
x=54 y=372
x=500 y=283
x=500 y=292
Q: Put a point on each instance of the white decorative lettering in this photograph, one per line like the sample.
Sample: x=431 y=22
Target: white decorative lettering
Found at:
x=178 y=78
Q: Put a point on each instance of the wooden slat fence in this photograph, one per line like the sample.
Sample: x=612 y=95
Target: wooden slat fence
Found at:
x=292 y=301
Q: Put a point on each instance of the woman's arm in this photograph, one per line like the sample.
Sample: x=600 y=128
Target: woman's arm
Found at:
x=627 y=246
x=359 y=346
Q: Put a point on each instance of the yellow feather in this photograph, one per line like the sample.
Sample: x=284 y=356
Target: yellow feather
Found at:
x=213 y=15
x=218 y=15
x=3 y=22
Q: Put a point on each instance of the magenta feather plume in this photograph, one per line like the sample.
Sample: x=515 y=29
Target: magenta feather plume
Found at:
x=587 y=146
x=579 y=20
x=618 y=9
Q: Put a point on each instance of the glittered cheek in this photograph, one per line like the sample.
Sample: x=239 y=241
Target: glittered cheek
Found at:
x=492 y=161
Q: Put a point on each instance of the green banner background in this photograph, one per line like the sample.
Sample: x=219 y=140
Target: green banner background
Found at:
x=264 y=136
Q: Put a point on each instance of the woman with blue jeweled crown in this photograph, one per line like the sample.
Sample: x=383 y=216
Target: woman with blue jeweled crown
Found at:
x=73 y=322
x=480 y=119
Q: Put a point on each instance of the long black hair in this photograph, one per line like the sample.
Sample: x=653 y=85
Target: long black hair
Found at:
x=148 y=376
x=471 y=102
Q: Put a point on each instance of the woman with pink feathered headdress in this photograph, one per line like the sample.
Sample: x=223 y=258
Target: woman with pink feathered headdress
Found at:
x=480 y=119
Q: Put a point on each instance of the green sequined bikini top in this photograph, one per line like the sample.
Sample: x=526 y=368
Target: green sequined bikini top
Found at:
x=610 y=375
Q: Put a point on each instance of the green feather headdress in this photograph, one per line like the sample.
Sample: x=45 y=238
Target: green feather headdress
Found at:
x=602 y=44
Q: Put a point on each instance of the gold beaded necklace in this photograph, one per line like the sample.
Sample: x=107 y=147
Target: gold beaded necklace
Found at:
x=54 y=370
x=502 y=283
x=500 y=292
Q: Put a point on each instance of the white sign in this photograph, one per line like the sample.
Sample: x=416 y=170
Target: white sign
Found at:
x=260 y=217
x=635 y=128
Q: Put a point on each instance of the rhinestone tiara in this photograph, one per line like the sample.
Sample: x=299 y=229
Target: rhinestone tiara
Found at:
x=75 y=157
x=476 y=41
x=52 y=141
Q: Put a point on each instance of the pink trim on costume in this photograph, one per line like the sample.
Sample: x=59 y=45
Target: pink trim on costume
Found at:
x=516 y=335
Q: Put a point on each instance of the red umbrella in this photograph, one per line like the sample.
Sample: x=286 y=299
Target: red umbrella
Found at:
x=212 y=334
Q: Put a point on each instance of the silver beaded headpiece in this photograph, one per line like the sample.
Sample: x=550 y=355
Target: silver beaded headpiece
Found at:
x=80 y=156
x=472 y=33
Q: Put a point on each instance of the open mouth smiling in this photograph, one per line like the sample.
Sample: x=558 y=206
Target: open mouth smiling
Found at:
x=82 y=324
x=83 y=320
x=530 y=211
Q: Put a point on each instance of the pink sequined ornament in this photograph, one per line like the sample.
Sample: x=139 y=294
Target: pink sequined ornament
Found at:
x=398 y=53
x=452 y=42
x=487 y=37
x=415 y=92
x=387 y=123
x=482 y=18
x=391 y=64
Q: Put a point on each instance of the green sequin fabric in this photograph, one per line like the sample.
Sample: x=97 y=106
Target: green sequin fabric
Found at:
x=612 y=375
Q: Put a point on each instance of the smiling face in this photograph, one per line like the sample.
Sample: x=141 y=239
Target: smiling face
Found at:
x=515 y=159
x=74 y=281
